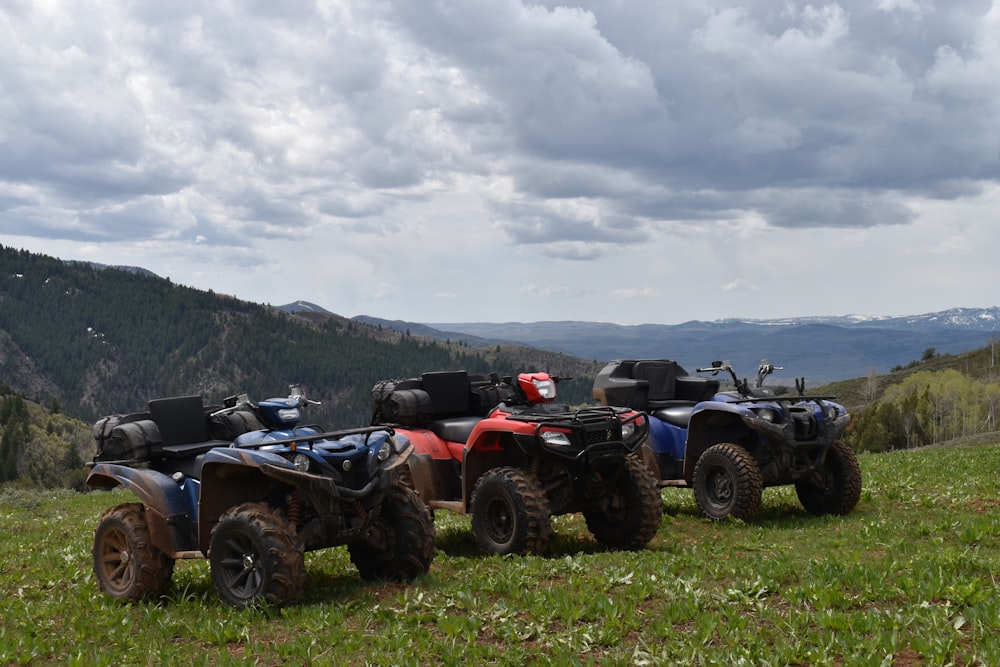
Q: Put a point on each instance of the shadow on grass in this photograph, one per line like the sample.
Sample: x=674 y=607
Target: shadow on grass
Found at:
x=325 y=588
x=570 y=537
x=775 y=513
x=332 y=579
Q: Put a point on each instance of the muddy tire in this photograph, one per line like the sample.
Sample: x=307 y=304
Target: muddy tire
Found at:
x=510 y=513
x=836 y=488
x=404 y=476
x=399 y=544
x=727 y=482
x=628 y=515
x=126 y=564
x=255 y=557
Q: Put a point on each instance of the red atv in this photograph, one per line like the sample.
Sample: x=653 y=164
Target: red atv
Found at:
x=505 y=453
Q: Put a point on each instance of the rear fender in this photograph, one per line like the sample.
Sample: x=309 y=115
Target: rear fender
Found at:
x=157 y=490
x=426 y=443
x=712 y=423
x=665 y=438
x=171 y=507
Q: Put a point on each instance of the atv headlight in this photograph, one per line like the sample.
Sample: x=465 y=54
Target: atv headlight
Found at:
x=766 y=414
x=555 y=438
x=628 y=430
x=301 y=462
x=384 y=452
x=287 y=415
x=546 y=388
x=829 y=413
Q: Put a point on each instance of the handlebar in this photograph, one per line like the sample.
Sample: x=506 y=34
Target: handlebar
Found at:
x=716 y=367
x=234 y=403
x=239 y=402
x=763 y=370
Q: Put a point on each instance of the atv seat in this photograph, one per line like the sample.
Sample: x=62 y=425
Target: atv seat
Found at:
x=678 y=415
x=183 y=426
x=456 y=429
x=671 y=388
x=650 y=385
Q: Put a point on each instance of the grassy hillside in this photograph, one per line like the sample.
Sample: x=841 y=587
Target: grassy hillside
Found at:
x=909 y=578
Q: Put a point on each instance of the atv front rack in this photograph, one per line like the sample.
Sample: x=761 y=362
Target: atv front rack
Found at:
x=592 y=433
x=549 y=412
x=310 y=438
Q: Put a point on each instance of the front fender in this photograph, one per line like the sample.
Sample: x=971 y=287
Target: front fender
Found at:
x=243 y=457
x=232 y=476
x=713 y=422
x=492 y=445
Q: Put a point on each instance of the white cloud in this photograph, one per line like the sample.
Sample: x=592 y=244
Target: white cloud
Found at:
x=637 y=293
x=578 y=160
x=740 y=285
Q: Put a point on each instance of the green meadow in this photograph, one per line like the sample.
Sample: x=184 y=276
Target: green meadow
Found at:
x=911 y=577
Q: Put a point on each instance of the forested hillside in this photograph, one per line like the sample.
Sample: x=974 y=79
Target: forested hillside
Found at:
x=97 y=341
x=935 y=399
x=40 y=446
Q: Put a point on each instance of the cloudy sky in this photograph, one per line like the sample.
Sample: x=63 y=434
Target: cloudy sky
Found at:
x=498 y=160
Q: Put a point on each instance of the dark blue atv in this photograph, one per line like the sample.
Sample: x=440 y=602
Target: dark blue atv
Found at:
x=242 y=485
x=728 y=446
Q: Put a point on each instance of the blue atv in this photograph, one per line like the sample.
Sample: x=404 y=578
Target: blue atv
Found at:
x=244 y=486
x=728 y=446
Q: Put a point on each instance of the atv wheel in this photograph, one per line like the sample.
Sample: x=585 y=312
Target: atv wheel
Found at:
x=255 y=557
x=126 y=564
x=399 y=544
x=727 y=482
x=510 y=513
x=836 y=487
x=628 y=515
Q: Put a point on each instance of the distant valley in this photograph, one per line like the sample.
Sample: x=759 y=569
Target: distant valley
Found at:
x=822 y=349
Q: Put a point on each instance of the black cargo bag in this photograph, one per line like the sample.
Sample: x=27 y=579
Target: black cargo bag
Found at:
x=485 y=397
x=232 y=425
x=103 y=427
x=400 y=402
x=130 y=441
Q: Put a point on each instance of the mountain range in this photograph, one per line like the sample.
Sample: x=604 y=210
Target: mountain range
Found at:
x=97 y=340
x=820 y=348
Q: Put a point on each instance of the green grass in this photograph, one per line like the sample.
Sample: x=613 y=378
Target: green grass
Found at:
x=912 y=577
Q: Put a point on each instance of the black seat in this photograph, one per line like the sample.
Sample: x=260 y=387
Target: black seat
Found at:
x=456 y=429
x=678 y=415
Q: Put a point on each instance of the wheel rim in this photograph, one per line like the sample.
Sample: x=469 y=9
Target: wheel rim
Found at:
x=720 y=487
x=499 y=521
x=614 y=505
x=381 y=536
x=240 y=566
x=116 y=563
x=822 y=481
